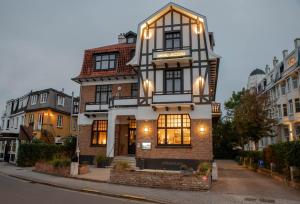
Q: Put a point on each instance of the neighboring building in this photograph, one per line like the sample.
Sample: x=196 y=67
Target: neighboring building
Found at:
x=152 y=95
x=44 y=114
x=49 y=114
x=281 y=84
x=11 y=120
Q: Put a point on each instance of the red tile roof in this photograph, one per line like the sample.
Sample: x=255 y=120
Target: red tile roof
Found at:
x=124 y=55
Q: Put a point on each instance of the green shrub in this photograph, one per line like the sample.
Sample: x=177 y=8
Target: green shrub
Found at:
x=99 y=158
x=203 y=168
x=29 y=154
x=61 y=162
x=122 y=165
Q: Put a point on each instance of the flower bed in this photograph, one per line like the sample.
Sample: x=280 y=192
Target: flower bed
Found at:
x=162 y=179
x=49 y=168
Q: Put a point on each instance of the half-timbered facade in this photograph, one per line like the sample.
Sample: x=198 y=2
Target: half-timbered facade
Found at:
x=172 y=71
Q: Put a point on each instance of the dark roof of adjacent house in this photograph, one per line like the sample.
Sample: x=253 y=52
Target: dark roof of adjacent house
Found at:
x=125 y=52
x=257 y=72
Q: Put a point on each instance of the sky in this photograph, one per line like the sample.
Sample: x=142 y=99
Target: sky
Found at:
x=42 y=42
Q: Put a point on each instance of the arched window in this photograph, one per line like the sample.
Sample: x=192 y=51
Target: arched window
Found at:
x=174 y=129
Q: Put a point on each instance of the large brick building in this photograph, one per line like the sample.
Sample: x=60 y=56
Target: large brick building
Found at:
x=152 y=95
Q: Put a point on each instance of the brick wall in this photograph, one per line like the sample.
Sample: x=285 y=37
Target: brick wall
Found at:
x=176 y=180
x=125 y=89
x=201 y=143
x=88 y=94
x=85 y=142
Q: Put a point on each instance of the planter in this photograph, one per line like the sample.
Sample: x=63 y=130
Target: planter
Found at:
x=83 y=169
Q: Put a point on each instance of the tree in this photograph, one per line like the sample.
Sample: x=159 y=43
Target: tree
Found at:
x=233 y=101
x=250 y=118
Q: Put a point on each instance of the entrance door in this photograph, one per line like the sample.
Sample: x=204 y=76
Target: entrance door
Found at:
x=6 y=152
x=132 y=137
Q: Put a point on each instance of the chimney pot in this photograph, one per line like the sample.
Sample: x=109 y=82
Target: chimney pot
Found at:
x=275 y=61
x=297 y=42
x=284 y=53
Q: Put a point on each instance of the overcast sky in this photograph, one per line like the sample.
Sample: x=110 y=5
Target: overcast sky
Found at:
x=42 y=42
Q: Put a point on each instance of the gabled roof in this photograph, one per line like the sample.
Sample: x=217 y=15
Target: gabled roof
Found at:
x=124 y=51
x=164 y=10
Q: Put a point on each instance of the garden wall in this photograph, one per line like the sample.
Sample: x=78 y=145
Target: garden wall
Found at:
x=48 y=168
x=161 y=179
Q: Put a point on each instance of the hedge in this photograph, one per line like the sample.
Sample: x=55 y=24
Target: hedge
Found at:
x=29 y=154
x=283 y=155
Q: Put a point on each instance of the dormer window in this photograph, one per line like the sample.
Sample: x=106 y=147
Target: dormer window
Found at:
x=33 y=99
x=43 y=98
x=131 y=40
x=105 y=61
x=60 y=100
x=172 y=40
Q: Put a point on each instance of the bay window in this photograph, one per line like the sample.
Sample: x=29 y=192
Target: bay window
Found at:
x=174 y=130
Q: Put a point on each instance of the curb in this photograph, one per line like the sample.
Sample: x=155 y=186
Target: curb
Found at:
x=91 y=191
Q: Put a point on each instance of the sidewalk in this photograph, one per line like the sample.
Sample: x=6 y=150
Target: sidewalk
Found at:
x=122 y=191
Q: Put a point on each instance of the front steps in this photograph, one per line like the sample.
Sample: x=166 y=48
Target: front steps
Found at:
x=129 y=159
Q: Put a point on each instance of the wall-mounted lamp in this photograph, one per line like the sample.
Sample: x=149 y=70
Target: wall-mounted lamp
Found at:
x=198 y=29
x=146 y=129
x=146 y=82
x=147 y=34
x=202 y=130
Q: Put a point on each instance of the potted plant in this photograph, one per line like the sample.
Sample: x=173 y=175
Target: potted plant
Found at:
x=101 y=161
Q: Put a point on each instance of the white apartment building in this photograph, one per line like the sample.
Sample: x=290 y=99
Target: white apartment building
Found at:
x=281 y=84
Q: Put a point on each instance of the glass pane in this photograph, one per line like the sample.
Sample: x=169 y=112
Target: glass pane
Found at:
x=169 y=35
x=98 y=65
x=94 y=139
x=176 y=43
x=173 y=136
x=177 y=85
x=169 y=44
x=112 y=56
x=111 y=64
x=104 y=57
x=104 y=97
x=97 y=97
x=102 y=138
x=186 y=136
x=161 y=121
x=161 y=136
x=104 y=65
x=98 y=58
x=169 y=87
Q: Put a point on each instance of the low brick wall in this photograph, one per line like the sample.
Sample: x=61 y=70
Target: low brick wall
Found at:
x=161 y=179
x=47 y=168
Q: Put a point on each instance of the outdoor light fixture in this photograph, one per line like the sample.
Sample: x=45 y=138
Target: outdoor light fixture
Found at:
x=147 y=34
x=202 y=129
x=146 y=129
x=198 y=29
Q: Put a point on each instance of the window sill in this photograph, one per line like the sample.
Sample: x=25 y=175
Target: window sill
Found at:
x=99 y=145
x=173 y=146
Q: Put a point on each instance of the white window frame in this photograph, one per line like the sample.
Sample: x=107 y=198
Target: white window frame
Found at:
x=40 y=121
x=59 y=121
x=43 y=97
x=33 y=99
x=60 y=100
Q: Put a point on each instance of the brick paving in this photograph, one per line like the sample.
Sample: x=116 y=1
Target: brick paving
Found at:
x=236 y=186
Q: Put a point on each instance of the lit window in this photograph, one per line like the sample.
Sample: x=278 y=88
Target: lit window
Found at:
x=99 y=132
x=59 y=122
x=174 y=130
x=105 y=61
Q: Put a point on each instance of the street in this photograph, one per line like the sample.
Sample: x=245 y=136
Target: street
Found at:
x=14 y=191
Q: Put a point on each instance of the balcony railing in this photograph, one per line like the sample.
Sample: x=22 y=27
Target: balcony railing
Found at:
x=123 y=101
x=96 y=107
x=216 y=108
x=179 y=97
